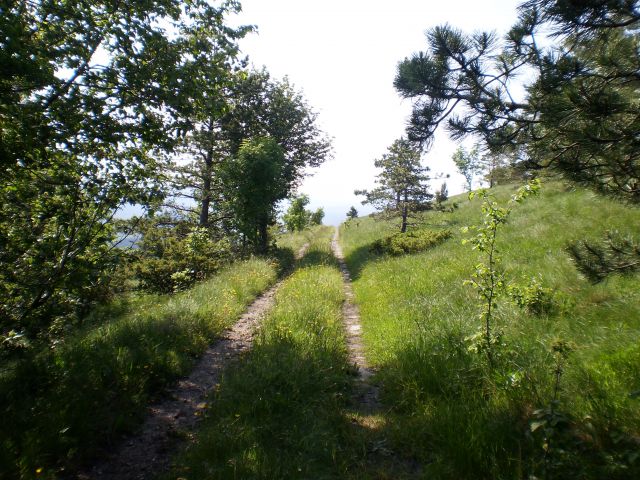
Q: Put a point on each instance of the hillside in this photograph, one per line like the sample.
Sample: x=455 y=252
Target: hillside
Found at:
x=540 y=410
x=557 y=398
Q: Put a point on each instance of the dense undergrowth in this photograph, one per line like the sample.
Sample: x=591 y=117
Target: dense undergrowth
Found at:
x=561 y=399
x=60 y=406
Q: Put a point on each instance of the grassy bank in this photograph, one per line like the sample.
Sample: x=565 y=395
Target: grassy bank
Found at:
x=462 y=418
x=65 y=404
x=280 y=413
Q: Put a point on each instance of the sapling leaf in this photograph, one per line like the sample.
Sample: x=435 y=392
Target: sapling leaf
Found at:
x=536 y=424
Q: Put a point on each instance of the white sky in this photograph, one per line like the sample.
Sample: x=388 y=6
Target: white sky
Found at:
x=342 y=54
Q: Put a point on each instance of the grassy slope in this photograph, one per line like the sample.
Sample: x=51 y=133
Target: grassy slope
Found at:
x=416 y=314
x=61 y=406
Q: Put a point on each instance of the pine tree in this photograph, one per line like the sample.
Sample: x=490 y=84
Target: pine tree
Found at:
x=403 y=187
x=581 y=111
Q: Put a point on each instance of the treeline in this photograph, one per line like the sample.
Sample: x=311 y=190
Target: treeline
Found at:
x=107 y=104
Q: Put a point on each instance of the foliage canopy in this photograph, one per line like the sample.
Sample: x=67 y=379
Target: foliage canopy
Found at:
x=579 y=114
x=92 y=96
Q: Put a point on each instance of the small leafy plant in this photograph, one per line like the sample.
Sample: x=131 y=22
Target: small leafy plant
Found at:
x=488 y=278
x=534 y=298
x=550 y=423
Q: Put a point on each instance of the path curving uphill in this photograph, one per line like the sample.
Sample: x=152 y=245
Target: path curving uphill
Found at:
x=367 y=393
x=148 y=453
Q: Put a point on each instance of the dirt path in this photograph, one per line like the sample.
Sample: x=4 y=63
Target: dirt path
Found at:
x=149 y=452
x=366 y=392
x=382 y=462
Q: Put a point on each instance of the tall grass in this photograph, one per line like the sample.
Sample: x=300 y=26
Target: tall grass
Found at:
x=295 y=240
x=447 y=408
x=61 y=406
x=279 y=413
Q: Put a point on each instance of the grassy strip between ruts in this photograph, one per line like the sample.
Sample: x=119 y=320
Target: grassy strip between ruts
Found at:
x=280 y=412
x=458 y=417
x=63 y=405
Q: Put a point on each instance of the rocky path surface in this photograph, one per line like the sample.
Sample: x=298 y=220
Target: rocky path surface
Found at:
x=367 y=393
x=149 y=452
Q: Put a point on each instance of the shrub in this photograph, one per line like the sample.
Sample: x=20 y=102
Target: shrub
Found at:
x=410 y=242
x=534 y=298
x=183 y=262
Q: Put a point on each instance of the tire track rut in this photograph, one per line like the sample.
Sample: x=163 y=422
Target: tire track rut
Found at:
x=366 y=393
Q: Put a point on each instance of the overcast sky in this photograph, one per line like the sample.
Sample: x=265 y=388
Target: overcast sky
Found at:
x=342 y=54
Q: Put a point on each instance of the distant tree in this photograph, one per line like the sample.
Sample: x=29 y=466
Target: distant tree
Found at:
x=255 y=183
x=468 y=164
x=297 y=217
x=403 y=187
x=443 y=194
x=352 y=213
x=499 y=168
x=262 y=106
x=317 y=216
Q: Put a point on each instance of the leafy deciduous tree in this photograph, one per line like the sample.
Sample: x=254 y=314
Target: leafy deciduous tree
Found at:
x=317 y=216
x=256 y=182
x=297 y=217
x=91 y=95
x=468 y=164
x=253 y=105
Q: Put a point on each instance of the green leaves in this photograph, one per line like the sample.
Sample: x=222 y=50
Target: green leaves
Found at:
x=488 y=278
x=257 y=181
x=297 y=218
x=468 y=164
x=91 y=95
x=249 y=108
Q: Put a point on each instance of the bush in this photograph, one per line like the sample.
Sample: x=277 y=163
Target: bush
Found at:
x=410 y=242
x=534 y=298
x=183 y=261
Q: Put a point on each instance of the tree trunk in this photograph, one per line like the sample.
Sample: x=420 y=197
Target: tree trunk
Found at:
x=206 y=189
x=263 y=237
x=405 y=211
